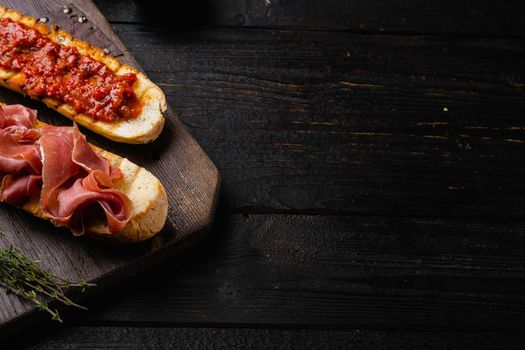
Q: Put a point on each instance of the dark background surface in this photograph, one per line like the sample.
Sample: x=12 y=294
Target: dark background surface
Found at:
x=372 y=158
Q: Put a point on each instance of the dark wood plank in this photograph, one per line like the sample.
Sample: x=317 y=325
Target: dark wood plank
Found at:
x=334 y=271
x=245 y=338
x=190 y=178
x=471 y=17
x=337 y=123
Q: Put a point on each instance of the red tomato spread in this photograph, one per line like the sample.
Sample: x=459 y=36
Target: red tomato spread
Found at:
x=62 y=73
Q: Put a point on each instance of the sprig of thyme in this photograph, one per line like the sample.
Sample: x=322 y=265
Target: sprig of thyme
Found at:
x=27 y=279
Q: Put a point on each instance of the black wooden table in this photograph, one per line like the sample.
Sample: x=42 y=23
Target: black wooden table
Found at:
x=373 y=163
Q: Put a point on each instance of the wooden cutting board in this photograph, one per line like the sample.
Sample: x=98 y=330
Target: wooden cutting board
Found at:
x=191 y=181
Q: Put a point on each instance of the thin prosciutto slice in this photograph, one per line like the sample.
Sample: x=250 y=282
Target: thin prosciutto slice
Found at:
x=58 y=166
x=65 y=194
x=57 y=146
x=17 y=115
x=18 y=188
x=18 y=148
x=84 y=156
x=94 y=188
x=20 y=160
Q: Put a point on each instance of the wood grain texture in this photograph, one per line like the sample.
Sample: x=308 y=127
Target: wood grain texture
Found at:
x=411 y=146
x=190 y=178
x=238 y=338
x=470 y=17
x=334 y=271
x=317 y=122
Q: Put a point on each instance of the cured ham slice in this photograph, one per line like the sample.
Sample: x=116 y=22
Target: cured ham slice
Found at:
x=75 y=177
x=58 y=166
x=18 y=149
x=84 y=156
x=57 y=147
x=18 y=188
x=17 y=115
x=20 y=158
x=93 y=189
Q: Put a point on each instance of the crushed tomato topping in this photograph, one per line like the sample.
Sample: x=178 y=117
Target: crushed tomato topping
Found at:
x=61 y=72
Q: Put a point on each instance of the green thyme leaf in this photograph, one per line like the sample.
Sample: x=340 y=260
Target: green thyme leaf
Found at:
x=27 y=279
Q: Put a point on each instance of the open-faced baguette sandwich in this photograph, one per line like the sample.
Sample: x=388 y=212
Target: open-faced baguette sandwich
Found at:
x=78 y=80
x=55 y=174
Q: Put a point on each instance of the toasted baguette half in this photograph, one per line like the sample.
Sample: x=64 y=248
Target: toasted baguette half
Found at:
x=145 y=128
x=147 y=195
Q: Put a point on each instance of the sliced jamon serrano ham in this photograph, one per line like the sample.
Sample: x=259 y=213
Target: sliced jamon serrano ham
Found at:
x=55 y=174
x=57 y=165
x=18 y=140
x=20 y=160
x=84 y=156
x=75 y=178
x=19 y=188
x=95 y=188
x=17 y=115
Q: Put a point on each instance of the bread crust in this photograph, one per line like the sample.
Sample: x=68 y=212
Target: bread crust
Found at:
x=145 y=128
